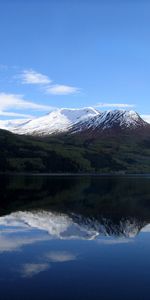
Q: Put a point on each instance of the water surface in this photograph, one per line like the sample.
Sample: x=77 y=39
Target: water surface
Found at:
x=74 y=238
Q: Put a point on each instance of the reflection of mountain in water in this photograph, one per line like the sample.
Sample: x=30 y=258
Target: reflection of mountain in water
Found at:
x=63 y=226
x=76 y=207
x=105 y=226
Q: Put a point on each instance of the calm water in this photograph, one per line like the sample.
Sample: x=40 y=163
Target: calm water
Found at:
x=74 y=238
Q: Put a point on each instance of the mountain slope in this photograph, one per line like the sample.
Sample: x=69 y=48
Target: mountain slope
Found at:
x=84 y=120
x=55 y=122
x=124 y=152
x=13 y=124
x=111 y=121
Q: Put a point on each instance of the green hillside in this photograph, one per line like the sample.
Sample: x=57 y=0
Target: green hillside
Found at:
x=124 y=153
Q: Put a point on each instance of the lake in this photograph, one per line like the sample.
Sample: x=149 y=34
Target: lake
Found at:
x=74 y=237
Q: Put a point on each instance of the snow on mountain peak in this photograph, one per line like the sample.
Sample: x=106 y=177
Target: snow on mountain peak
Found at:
x=111 y=119
x=75 y=120
x=57 y=121
x=122 y=118
x=76 y=114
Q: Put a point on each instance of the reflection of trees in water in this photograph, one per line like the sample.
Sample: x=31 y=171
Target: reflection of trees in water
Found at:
x=113 y=202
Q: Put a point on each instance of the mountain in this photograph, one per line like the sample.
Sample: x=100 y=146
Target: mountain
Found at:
x=110 y=121
x=77 y=141
x=55 y=122
x=70 y=121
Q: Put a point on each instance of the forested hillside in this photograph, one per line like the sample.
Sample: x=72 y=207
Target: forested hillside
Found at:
x=125 y=153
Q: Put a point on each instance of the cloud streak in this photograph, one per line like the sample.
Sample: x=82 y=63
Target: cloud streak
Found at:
x=114 y=105
x=17 y=102
x=13 y=114
x=58 y=89
x=146 y=118
x=114 y=241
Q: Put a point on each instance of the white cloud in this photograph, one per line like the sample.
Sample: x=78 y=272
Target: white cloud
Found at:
x=146 y=118
x=117 y=105
x=58 y=89
x=32 y=77
x=13 y=114
x=16 y=102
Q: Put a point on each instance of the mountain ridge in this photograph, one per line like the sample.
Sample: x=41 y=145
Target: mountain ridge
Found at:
x=77 y=120
x=84 y=141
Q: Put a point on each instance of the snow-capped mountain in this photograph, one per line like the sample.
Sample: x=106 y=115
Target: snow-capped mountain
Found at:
x=58 y=121
x=108 y=120
x=12 y=124
x=76 y=120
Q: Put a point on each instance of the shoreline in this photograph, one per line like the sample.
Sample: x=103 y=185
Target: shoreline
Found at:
x=76 y=174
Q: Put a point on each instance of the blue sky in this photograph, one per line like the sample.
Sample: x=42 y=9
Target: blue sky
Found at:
x=74 y=53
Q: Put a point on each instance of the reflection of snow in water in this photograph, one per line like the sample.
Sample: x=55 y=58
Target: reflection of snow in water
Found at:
x=62 y=226
x=22 y=229
x=56 y=225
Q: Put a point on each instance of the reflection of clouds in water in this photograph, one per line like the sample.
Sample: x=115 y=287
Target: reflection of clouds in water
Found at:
x=61 y=226
x=108 y=241
x=146 y=228
x=10 y=243
x=27 y=228
x=60 y=256
x=13 y=230
x=18 y=230
x=29 y=270
x=32 y=269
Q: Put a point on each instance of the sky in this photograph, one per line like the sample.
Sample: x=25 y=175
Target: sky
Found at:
x=74 y=53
